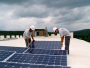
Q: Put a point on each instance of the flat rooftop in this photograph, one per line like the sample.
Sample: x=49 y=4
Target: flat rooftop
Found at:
x=79 y=56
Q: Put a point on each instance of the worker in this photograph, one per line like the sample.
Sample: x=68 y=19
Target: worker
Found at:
x=63 y=33
x=28 y=33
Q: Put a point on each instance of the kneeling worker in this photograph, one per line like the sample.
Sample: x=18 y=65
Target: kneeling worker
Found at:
x=28 y=34
x=63 y=32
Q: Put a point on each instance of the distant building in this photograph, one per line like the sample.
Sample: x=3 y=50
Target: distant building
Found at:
x=39 y=32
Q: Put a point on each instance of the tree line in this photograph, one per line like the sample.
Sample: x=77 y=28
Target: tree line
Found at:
x=11 y=32
x=83 y=34
x=49 y=33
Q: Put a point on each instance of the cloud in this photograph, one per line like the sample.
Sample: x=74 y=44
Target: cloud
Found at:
x=71 y=16
x=37 y=11
x=65 y=3
x=49 y=3
x=13 y=1
x=20 y=14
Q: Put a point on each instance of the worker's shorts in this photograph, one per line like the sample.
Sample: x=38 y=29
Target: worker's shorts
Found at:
x=26 y=42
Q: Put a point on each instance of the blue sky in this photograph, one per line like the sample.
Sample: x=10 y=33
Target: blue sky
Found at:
x=21 y=14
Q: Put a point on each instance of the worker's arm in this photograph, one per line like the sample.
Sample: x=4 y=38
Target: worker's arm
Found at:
x=28 y=41
x=32 y=37
x=62 y=38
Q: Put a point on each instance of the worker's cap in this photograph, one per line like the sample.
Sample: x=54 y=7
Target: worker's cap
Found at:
x=32 y=27
x=54 y=29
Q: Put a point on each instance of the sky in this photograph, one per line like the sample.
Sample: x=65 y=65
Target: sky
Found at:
x=21 y=14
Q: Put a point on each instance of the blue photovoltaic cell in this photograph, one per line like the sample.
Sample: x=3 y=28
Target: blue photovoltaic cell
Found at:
x=17 y=49
x=18 y=65
x=39 y=59
x=4 y=55
x=45 y=51
x=46 y=44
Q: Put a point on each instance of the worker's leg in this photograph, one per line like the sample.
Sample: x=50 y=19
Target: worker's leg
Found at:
x=26 y=42
x=67 y=42
x=29 y=40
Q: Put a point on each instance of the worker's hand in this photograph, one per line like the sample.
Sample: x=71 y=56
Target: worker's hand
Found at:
x=61 y=45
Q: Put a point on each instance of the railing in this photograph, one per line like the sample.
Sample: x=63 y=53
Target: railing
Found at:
x=10 y=36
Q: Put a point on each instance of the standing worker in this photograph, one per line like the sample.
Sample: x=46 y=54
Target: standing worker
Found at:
x=63 y=32
x=28 y=34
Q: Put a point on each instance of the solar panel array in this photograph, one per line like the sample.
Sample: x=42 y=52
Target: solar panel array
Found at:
x=35 y=56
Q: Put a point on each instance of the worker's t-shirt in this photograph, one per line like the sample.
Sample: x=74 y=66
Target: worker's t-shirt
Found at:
x=27 y=33
x=64 y=32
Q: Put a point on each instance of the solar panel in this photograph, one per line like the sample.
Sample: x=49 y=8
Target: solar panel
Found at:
x=46 y=44
x=46 y=51
x=39 y=59
x=18 y=65
x=4 y=55
x=17 y=49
